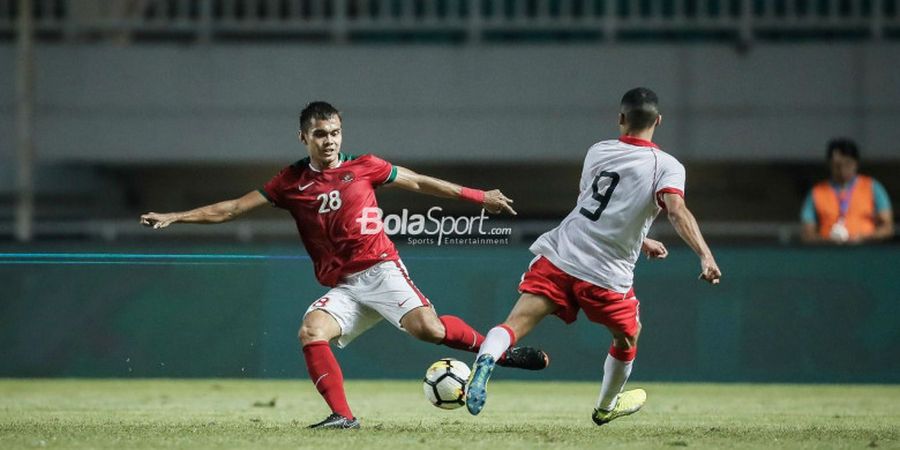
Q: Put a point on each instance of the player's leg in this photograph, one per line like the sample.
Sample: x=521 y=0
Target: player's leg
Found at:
x=612 y=401
x=318 y=329
x=529 y=310
x=396 y=297
x=619 y=313
x=545 y=290
x=423 y=323
x=333 y=317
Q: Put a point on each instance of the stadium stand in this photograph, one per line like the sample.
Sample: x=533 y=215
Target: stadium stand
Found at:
x=464 y=21
x=729 y=196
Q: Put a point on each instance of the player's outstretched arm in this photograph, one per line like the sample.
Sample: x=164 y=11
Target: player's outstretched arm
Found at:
x=686 y=226
x=214 y=213
x=493 y=201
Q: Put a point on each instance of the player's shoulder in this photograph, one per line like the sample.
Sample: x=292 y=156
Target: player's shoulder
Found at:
x=604 y=145
x=667 y=160
x=370 y=166
x=299 y=165
x=294 y=169
x=364 y=159
x=600 y=150
x=288 y=175
x=668 y=157
x=624 y=146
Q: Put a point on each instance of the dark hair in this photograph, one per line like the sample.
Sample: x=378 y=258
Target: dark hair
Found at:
x=316 y=111
x=640 y=107
x=844 y=146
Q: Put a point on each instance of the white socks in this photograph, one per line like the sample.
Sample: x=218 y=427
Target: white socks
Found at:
x=615 y=374
x=495 y=343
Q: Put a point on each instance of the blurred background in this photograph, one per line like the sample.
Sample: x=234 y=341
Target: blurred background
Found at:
x=109 y=109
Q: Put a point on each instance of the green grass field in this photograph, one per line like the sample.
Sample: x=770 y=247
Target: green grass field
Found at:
x=220 y=414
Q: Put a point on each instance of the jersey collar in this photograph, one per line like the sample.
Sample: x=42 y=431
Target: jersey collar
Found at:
x=340 y=161
x=631 y=140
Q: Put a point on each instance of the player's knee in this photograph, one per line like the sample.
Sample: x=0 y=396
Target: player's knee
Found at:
x=428 y=331
x=318 y=325
x=305 y=334
x=424 y=324
x=626 y=341
x=309 y=332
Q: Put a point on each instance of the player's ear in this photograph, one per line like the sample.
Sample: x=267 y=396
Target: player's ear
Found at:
x=658 y=120
x=301 y=137
x=621 y=119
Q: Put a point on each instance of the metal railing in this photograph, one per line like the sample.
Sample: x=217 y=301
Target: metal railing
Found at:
x=464 y=20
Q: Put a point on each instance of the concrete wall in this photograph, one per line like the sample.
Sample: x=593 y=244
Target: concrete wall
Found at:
x=236 y=103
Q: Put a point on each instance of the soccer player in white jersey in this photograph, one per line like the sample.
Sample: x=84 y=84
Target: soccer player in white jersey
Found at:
x=587 y=262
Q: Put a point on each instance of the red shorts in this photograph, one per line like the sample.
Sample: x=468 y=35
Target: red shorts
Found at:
x=618 y=311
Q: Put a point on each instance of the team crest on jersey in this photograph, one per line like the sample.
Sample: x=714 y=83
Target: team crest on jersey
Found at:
x=347 y=177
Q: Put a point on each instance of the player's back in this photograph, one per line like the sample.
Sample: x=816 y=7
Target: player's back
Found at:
x=600 y=240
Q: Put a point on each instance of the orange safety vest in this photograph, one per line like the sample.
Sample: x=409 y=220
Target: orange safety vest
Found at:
x=860 y=216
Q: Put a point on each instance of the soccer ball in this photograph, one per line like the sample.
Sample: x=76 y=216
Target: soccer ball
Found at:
x=445 y=383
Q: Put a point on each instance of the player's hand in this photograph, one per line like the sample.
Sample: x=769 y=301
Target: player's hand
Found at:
x=654 y=249
x=495 y=202
x=709 y=270
x=157 y=220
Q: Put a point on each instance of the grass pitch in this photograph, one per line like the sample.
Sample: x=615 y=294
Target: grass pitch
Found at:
x=221 y=414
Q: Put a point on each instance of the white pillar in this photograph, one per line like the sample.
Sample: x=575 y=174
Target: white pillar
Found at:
x=24 y=227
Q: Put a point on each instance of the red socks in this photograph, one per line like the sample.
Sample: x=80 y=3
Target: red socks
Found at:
x=460 y=335
x=622 y=354
x=325 y=372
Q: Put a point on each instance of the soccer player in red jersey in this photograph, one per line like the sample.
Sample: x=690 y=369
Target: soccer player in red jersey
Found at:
x=329 y=194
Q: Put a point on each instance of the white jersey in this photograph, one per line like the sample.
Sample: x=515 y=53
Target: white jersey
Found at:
x=621 y=186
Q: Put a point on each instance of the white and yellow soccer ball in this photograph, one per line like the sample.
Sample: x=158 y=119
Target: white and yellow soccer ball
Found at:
x=445 y=383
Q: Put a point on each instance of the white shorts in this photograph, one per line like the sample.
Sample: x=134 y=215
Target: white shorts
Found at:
x=362 y=299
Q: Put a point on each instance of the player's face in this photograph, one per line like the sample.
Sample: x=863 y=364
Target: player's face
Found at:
x=323 y=141
x=843 y=168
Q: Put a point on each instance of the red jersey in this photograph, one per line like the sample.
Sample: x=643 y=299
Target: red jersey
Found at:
x=327 y=207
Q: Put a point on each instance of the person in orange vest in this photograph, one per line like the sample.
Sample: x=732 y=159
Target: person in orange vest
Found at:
x=848 y=208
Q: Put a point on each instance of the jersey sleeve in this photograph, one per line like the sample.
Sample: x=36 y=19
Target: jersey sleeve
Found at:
x=882 y=201
x=272 y=189
x=671 y=179
x=379 y=171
